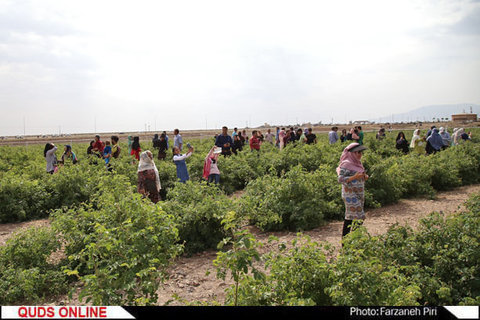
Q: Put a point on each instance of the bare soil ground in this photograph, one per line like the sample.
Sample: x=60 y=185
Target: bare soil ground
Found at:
x=148 y=135
x=189 y=278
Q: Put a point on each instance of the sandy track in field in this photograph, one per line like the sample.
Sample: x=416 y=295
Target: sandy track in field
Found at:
x=188 y=276
x=190 y=282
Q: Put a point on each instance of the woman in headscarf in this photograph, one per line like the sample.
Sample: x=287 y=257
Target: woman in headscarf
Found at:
x=115 y=147
x=353 y=135
x=210 y=168
x=352 y=176
x=162 y=147
x=148 y=177
x=69 y=154
x=90 y=147
x=445 y=137
x=129 y=143
x=455 y=137
x=402 y=143
x=136 y=148
x=381 y=134
x=418 y=143
x=343 y=136
x=237 y=143
x=155 y=141
x=281 y=137
x=434 y=142
x=459 y=136
x=50 y=157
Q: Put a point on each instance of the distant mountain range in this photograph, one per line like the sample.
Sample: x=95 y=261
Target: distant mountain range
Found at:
x=428 y=113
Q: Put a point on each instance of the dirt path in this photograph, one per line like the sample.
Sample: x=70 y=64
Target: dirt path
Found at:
x=191 y=283
x=8 y=229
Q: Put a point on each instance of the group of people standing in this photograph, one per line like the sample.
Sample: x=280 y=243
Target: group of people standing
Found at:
x=51 y=157
x=105 y=150
x=237 y=141
x=353 y=135
x=435 y=140
x=350 y=171
x=293 y=135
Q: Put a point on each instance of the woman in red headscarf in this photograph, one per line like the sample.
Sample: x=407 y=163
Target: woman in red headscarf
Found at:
x=352 y=176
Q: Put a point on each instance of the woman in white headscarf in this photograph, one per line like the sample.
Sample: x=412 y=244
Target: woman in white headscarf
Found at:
x=148 y=178
x=417 y=143
x=445 y=136
x=457 y=136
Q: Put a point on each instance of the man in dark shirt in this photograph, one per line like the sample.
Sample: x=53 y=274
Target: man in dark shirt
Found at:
x=311 y=137
x=225 y=142
x=299 y=135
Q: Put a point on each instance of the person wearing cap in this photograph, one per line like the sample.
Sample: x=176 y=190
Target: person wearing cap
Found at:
x=352 y=176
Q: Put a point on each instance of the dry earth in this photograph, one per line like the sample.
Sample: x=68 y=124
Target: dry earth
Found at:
x=189 y=280
x=209 y=133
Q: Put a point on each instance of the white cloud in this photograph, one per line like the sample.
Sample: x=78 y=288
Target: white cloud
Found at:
x=192 y=62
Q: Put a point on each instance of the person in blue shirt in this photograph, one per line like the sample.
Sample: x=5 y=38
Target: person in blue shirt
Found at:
x=177 y=140
x=333 y=136
x=180 y=163
x=234 y=133
x=225 y=142
x=107 y=152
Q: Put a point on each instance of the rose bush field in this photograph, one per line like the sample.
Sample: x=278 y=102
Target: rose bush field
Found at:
x=116 y=245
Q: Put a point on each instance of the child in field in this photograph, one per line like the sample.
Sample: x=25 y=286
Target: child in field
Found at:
x=179 y=160
x=69 y=154
x=107 y=152
x=136 y=148
x=255 y=141
x=210 y=168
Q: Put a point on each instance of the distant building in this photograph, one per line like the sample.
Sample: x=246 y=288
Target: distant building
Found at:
x=467 y=117
x=362 y=122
